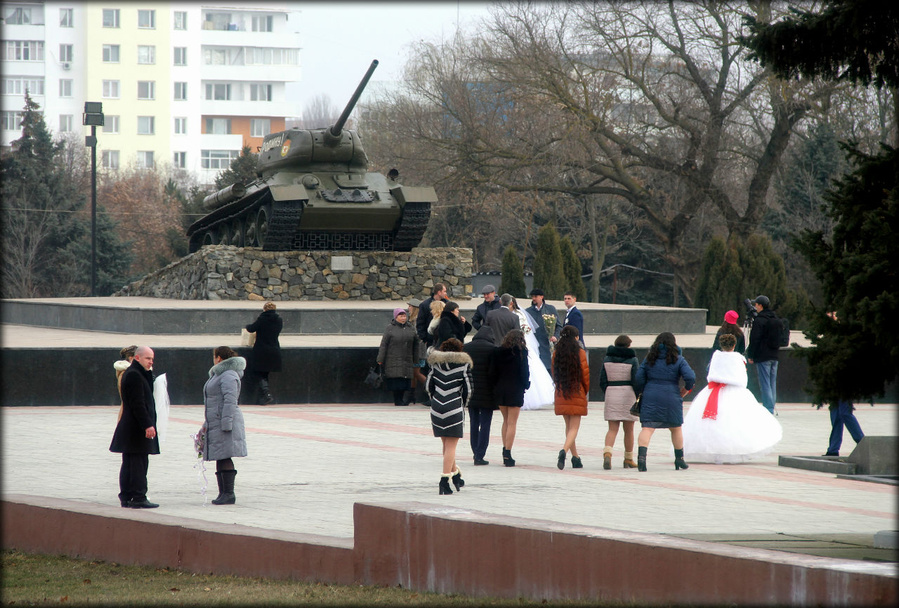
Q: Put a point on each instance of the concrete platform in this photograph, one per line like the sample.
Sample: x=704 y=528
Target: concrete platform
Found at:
x=349 y=493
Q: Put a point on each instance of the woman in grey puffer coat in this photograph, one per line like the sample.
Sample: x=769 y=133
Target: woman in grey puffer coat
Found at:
x=397 y=355
x=224 y=426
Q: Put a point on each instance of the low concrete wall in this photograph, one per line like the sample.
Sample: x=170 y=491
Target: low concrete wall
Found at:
x=451 y=550
x=55 y=526
x=311 y=375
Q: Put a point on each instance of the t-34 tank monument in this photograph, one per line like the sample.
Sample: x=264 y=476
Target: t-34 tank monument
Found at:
x=314 y=192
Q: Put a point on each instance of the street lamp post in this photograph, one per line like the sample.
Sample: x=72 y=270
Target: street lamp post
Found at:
x=93 y=117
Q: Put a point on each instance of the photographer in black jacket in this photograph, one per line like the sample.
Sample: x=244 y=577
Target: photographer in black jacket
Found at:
x=764 y=345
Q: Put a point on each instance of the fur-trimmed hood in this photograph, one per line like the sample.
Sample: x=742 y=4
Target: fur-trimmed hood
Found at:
x=121 y=365
x=432 y=326
x=439 y=357
x=238 y=364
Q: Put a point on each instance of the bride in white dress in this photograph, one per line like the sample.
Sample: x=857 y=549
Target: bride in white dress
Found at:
x=542 y=391
x=725 y=424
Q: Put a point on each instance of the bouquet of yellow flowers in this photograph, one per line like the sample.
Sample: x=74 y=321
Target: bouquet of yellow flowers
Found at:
x=549 y=321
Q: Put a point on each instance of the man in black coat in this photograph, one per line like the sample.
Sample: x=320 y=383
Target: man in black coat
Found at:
x=135 y=434
x=491 y=302
x=424 y=314
x=482 y=403
x=502 y=320
x=764 y=346
x=537 y=309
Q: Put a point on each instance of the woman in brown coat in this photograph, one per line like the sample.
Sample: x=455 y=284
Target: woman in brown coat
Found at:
x=572 y=377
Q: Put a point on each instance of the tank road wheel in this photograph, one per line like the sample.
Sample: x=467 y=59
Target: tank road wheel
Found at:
x=208 y=238
x=263 y=220
x=223 y=235
x=237 y=233
x=249 y=231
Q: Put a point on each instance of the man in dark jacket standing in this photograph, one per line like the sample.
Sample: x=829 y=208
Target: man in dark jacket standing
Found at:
x=502 y=320
x=135 y=434
x=491 y=302
x=482 y=403
x=764 y=345
x=537 y=309
x=424 y=314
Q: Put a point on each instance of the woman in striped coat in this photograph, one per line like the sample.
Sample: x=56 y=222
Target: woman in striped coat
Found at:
x=449 y=386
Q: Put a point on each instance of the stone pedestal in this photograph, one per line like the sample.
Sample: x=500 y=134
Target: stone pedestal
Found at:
x=222 y=272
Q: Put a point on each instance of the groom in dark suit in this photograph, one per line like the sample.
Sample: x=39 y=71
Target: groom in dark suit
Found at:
x=574 y=317
x=502 y=320
x=537 y=309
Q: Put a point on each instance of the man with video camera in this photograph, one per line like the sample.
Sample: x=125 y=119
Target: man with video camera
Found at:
x=764 y=345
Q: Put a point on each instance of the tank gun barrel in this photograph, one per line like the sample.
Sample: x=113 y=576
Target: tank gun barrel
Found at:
x=337 y=127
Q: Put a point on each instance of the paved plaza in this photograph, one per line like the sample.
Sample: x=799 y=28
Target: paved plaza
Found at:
x=308 y=464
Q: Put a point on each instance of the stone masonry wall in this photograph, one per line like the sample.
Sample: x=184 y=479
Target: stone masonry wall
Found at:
x=223 y=272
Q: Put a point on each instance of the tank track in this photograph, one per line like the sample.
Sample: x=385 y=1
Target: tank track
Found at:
x=283 y=225
x=412 y=226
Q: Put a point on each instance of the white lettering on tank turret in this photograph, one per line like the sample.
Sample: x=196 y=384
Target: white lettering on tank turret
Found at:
x=274 y=142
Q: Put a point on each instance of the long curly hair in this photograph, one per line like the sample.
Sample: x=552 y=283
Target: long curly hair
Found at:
x=514 y=340
x=665 y=338
x=567 y=362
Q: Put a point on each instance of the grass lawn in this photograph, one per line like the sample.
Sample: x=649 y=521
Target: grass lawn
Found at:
x=43 y=580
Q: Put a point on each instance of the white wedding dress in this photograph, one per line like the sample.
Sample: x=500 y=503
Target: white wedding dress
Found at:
x=541 y=394
x=741 y=429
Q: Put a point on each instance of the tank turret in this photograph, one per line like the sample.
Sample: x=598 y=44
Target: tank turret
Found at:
x=314 y=191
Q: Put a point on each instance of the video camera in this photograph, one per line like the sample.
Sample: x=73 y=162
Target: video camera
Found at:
x=751 y=312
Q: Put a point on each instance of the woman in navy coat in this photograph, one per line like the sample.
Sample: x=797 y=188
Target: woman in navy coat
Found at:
x=662 y=407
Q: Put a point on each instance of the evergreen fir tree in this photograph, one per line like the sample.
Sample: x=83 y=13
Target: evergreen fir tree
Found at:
x=513 y=274
x=549 y=273
x=242 y=170
x=572 y=265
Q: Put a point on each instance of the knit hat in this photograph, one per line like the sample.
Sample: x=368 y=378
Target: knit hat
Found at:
x=731 y=317
x=399 y=311
x=764 y=301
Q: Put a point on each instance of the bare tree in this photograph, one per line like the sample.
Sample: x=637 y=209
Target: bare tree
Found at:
x=320 y=112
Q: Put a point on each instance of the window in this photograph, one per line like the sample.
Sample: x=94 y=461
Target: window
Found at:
x=268 y=56
x=180 y=20
x=218 y=126
x=180 y=126
x=262 y=23
x=180 y=160
x=215 y=56
x=109 y=159
x=65 y=123
x=66 y=17
x=145 y=159
x=18 y=16
x=180 y=91
x=146 y=125
x=260 y=127
x=17 y=85
x=110 y=17
x=65 y=87
x=218 y=91
x=110 y=124
x=146 y=89
x=111 y=89
x=110 y=53
x=180 y=55
x=260 y=92
x=65 y=52
x=146 y=54
x=218 y=21
x=218 y=159
x=12 y=121
x=23 y=50
x=146 y=19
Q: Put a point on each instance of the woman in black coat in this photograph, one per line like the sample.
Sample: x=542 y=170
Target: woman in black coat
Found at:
x=452 y=325
x=266 y=356
x=513 y=378
x=482 y=403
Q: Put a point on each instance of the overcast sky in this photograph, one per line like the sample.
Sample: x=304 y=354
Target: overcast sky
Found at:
x=340 y=39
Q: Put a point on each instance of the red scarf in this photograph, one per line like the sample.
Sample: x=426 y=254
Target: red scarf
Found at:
x=711 y=406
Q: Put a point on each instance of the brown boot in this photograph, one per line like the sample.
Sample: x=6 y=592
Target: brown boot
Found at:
x=607 y=458
x=629 y=461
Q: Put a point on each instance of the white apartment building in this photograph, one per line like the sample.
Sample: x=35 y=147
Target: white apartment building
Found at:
x=186 y=83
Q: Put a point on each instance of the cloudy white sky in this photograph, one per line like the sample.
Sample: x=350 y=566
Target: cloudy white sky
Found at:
x=340 y=39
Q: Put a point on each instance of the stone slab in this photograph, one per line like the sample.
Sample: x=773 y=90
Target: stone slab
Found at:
x=823 y=464
x=875 y=455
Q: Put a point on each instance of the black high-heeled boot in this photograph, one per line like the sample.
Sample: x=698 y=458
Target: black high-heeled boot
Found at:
x=457 y=479
x=641 y=458
x=444 y=485
x=507 y=458
x=679 y=462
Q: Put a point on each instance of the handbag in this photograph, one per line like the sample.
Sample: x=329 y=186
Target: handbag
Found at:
x=373 y=377
x=635 y=408
x=247 y=338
